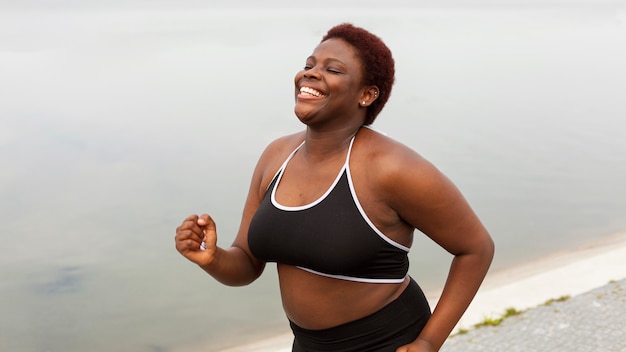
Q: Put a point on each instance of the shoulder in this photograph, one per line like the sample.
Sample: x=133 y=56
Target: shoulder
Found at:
x=285 y=142
x=275 y=154
x=394 y=168
x=282 y=146
x=387 y=156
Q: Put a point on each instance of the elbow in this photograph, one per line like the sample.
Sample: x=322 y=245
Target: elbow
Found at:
x=482 y=248
x=486 y=248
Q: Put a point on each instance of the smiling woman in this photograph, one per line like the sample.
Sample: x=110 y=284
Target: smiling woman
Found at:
x=330 y=85
x=336 y=207
x=366 y=55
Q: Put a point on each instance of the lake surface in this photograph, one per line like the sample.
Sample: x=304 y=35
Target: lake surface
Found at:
x=117 y=122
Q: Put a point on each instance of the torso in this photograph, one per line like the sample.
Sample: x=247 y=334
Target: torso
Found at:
x=315 y=301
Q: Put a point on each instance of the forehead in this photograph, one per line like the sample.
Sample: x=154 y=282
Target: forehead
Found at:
x=338 y=49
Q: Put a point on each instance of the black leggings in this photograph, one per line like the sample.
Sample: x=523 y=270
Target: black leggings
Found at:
x=395 y=325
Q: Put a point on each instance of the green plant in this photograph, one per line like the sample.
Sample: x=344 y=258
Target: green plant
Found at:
x=560 y=299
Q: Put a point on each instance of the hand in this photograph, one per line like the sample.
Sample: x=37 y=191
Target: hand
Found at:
x=192 y=233
x=418 y=345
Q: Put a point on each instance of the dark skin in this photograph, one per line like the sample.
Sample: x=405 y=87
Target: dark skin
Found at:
x=399 y=190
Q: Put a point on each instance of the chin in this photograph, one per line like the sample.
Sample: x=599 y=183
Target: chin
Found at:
x=303 y=116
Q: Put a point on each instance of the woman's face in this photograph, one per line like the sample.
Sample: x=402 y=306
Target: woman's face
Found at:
x=329 y=86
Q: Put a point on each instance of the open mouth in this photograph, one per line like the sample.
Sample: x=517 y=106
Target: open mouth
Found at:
x=311 y=92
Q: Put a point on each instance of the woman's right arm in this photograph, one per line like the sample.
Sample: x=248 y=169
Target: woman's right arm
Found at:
x=236 y=265
x=231 y=266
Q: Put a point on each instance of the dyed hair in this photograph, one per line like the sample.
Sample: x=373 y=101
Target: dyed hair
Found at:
x=375 y=56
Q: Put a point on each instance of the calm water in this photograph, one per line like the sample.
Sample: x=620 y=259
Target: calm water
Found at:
x=116 y=123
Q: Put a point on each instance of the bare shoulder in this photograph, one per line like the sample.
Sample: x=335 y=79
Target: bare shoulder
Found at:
x=388 y=157
x=396 y=171
x=416 y=190
x=275 y=154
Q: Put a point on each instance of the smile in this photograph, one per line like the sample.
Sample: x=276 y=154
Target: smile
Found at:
x=311 y=91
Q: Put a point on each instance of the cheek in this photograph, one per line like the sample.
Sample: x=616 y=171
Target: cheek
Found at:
x=298 y=77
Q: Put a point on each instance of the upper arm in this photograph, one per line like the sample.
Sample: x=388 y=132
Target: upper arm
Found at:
x=427 y=200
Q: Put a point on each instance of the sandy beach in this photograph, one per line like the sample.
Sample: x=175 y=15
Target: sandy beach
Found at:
x=567 y=273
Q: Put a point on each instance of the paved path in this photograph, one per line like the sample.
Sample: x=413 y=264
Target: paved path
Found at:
x=594 y=321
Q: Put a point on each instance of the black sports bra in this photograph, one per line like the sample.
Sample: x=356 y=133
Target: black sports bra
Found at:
x=331 y=237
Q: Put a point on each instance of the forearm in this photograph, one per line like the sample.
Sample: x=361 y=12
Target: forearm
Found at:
x=467 y=272
x=233 y=267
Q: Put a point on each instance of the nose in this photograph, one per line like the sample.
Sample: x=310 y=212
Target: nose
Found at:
x=312 y=73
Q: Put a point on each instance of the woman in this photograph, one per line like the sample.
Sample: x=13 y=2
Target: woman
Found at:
x=336 y=207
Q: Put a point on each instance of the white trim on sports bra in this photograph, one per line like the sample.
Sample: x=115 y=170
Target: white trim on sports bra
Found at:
x=345 y=167
x=363 y=214
x=356 y=279
x=315 y=202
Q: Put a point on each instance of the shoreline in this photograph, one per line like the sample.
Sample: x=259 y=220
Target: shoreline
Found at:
x=565 y=273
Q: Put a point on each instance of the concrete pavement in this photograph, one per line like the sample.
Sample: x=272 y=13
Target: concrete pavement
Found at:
x=594 y=321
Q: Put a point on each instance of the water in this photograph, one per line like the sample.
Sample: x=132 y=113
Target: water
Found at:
x=117 y=121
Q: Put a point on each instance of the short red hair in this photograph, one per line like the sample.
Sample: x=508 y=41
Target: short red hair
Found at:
x=377 y=61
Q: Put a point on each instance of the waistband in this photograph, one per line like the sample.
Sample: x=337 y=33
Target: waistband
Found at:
x=396 y=324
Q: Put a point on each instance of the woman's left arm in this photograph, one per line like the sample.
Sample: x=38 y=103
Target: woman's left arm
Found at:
x=425 y=198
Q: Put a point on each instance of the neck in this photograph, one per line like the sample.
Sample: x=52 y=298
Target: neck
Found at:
x=324 y=144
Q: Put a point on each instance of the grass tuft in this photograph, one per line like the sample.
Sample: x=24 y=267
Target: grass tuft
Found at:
x=553 y=300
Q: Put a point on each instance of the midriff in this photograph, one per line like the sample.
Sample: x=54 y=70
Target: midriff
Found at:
x=316 y=302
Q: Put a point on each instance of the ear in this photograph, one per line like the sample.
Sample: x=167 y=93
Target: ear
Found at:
x=368 y=96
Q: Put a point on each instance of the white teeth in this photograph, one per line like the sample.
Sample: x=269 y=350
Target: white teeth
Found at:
x=310 y=91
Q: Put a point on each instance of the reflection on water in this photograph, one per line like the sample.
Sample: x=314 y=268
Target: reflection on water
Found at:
x=64 y=280
x=116 y=124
